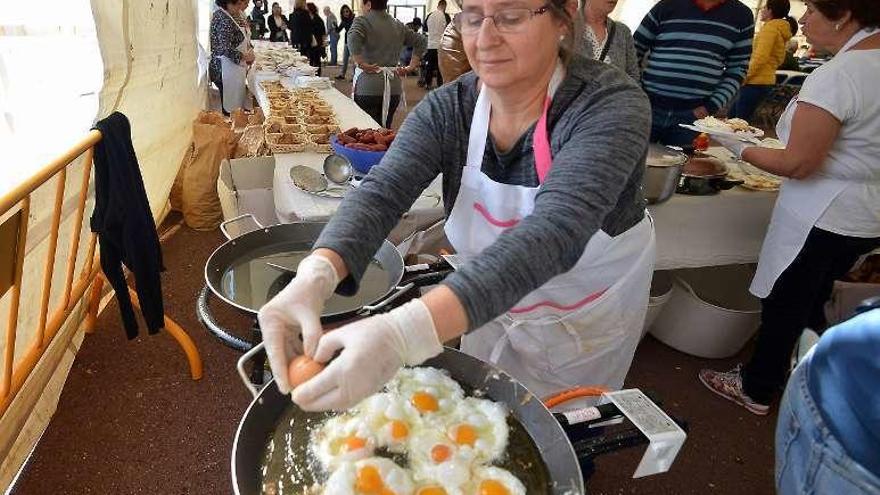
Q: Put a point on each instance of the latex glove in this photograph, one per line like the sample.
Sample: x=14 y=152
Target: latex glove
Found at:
x=733 y=144
x=373 y=350
x=294 y=312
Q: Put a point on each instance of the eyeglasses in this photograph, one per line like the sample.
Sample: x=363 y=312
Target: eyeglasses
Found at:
x=506 y=21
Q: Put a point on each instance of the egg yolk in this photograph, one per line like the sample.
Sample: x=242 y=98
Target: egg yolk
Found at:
x=355 y=443
x=399 y=430
x=425 y=402
x=440 y=453
x=369 y=481
x=387 y=491
x=432 y=490
x=492 y=487
x=465 y=435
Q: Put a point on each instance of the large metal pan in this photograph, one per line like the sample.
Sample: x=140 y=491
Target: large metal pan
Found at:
x=246 y=271
x=553 y=461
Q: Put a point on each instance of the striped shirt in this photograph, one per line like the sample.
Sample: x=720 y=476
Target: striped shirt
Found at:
x=695 y=57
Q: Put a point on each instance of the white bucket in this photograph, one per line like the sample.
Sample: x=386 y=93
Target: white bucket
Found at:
x=661 y=291
x=710 y=313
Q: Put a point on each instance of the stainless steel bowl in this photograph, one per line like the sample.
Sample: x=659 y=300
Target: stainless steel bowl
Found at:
x=663 y=172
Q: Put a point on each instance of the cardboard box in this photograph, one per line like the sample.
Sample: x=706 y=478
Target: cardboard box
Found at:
x=245 y=186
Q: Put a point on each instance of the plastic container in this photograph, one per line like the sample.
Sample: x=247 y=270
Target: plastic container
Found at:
x=661 y=291
x=362 y=161
x=710 y=313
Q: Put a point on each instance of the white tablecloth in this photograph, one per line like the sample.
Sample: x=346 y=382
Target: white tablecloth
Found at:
x=724 y=229
x=293 y=204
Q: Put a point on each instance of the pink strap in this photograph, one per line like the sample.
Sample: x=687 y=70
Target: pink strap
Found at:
x=541 y=145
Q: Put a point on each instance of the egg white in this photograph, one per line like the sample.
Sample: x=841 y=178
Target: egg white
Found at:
x=377 y=413
x=433 y=381
x=452 y=474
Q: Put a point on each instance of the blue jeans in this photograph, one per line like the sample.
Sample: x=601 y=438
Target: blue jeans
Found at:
x=665 y=128
x=749 y=98
x=334 y=46
x=809 y=459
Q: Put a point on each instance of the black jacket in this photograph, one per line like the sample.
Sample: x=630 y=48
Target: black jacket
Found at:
x=276 y=32
x=301 y=35
x=124 y=224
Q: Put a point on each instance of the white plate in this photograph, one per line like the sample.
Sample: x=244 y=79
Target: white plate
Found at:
x=744 y=136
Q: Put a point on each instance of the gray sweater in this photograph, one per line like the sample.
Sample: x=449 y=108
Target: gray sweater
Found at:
x=622 y=49
x=599 y=123
x=379 y=38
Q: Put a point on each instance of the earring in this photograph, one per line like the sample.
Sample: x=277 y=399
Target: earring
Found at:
x=837 y=27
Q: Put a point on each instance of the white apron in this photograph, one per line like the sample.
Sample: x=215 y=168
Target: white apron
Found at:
x=388 y=73
x=236 y=76
x=579 y=328
x=801 y=203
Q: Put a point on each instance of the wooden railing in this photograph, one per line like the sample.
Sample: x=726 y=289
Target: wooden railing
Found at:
x=13 y=243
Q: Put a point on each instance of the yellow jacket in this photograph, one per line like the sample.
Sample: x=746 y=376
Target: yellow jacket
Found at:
x=768 y=52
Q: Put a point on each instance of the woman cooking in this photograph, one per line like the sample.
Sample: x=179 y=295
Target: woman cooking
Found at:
x=542 y=156
x=828 y=211
x=231 y=54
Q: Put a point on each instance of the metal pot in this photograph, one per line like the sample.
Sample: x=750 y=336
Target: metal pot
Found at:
x=662 y=173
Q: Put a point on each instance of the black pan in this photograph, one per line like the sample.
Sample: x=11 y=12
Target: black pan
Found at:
x=553 y=452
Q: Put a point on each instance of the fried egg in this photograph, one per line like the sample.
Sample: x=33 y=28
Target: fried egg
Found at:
x=429 y=392
x=434 y=458
x=479 y=425
x=389 y=419
x=343 y=439
x=491 y=480
x=374 y=475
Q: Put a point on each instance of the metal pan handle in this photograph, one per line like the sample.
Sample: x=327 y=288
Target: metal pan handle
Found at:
x=369 y=310
x=232 y=220
x=245 y=378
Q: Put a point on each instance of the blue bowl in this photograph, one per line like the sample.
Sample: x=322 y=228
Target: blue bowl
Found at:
x=362 y=161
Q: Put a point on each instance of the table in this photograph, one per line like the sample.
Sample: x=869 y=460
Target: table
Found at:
x=724 y=229
x=292 y=204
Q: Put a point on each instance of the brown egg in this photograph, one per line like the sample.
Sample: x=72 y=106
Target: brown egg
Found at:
x=301 y=369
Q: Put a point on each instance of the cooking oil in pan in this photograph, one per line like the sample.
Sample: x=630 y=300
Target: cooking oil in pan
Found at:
x=254 y=280
x=289 y=468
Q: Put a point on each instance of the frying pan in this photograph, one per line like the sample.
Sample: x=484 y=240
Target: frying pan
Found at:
x=284 y=239
x=551 y=443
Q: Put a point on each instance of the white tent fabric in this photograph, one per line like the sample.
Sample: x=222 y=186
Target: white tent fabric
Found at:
x=149 y=52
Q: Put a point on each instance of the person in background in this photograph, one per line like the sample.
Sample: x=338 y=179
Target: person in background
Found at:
x=695 y=54
x=258 y=20
x=542 y=157
x=230 y=54
x=277 y=24
x=451 y=57
x=376 y=40
x=828 y=430
x=828 y=211
x=301 y=30
x=332 y=34
x=406 y=54
x=790 y=62
x=435 y=24
x=768 y=53
x=607 y=40
x=319 y=35
x=346 y=18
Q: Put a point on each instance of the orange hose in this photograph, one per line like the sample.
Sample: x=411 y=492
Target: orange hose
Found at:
x=573 y=393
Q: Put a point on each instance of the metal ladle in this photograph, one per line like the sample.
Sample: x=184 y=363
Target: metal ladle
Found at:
x=338 y=169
